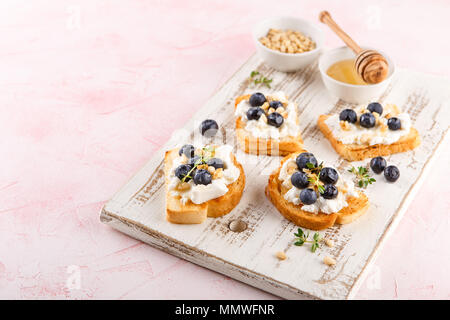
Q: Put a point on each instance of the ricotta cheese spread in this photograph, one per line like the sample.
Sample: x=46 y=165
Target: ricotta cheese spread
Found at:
x=218 y=187
x=344 y=184
x=260 y=129
x=380 y=134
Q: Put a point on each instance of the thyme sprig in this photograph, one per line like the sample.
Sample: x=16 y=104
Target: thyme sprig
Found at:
x=362 y=176
x=302 y=238
x=313 y=173
x=188 y=175
x=258 y=78
x=206 y=154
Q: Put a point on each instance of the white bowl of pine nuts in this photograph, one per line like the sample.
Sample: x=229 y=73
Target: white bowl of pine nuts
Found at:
x=287 y=43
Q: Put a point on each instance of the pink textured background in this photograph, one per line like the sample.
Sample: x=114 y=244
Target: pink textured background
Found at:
x=86 y=94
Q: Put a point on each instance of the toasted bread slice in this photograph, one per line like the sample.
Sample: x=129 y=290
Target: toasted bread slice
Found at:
x=190 y=213
x=316 y=221
x=253 y=145
x=356 y=152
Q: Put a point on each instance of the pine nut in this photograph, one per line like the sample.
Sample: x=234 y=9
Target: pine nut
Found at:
x=329 y=261
x=264 y=118
x=211 y=169
x=329 y=243
x=281 y=255
x=288 y=41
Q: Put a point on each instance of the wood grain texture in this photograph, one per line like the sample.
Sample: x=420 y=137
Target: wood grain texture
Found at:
x=138 y=208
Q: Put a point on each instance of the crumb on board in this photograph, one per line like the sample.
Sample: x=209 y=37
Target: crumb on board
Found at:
x=281 y=255
x=329 y=261
x=329 y=243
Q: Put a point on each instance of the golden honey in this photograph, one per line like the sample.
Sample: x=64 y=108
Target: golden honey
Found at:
x=345 y=71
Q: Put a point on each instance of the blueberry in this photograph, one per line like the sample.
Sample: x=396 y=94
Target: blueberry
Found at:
x=394 y=123
x=378 y=164
x=202 y=176
x=182 y=171
x=257 y=99
x=330 y=192
x=188 y=150
x=275 y=119
x=308 y=196
x=300 y=180
x=215 y=162
x=275 y=104
x=348 y=115
x=304 y=158
x=375 y=107
x=367 y=120
x=328 y=175
x=209 y=128
x=193 y=160
x=391 y=173
x=254 y=113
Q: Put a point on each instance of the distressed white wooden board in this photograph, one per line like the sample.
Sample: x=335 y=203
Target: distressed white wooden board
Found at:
x=138 y=208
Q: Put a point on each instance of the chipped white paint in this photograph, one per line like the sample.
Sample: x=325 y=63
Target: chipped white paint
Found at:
x=138 y=208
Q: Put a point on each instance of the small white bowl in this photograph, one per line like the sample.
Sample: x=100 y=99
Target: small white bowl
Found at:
x=352 y=93
x=287 y=62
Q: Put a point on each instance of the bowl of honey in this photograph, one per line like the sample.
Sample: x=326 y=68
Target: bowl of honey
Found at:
x=340 y=77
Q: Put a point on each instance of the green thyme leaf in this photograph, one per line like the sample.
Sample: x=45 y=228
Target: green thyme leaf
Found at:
x=258 y=78
x=316 y=236
x=190 y=171
x=320 y=188
x=254 y=73
x=303 y=237
x=314 y=177
x=362 y=175
x=202 y=159
x=310 y=165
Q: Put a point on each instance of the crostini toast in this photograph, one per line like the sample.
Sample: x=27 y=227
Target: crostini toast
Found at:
x=188 y=212
x=380 y=134
x=356 y=152
x=275 y=192
x=264 y=146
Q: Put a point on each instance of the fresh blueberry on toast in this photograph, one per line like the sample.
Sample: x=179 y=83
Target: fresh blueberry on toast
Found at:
x=369 y=131
x=314 y=196
x=267 y=124
x=201 y=182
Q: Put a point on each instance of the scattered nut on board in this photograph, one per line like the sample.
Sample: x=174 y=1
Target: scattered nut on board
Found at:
x=281 y=255
x=329 y=242
x=329 y=261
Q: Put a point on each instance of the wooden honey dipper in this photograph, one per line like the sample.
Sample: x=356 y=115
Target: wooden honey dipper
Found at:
x=369 y=64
